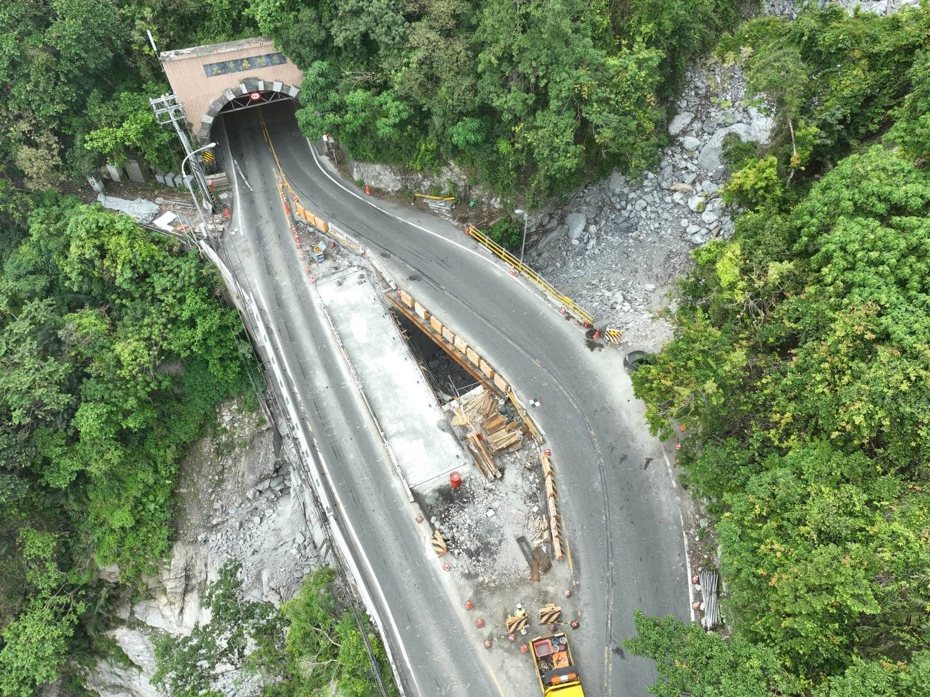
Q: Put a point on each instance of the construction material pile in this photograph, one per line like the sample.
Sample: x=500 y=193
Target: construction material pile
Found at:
x=488 y=431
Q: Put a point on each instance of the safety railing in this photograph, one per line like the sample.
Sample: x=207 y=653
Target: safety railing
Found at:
x=569 y=305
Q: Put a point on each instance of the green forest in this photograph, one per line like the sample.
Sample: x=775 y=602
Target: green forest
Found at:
x=798 y=379
x=799 y=375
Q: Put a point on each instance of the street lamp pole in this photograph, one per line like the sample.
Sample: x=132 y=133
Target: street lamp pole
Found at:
x=526 y=218
x=187 y=181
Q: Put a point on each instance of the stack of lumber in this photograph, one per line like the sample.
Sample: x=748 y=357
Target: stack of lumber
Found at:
x=552 y=499
x=489 y=431
x=502 y=434
x=479 y=406
x=482 y=457
x=540 y=527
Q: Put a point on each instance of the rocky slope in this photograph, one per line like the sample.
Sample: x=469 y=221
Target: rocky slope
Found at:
x=239 y=499
x=617 y=245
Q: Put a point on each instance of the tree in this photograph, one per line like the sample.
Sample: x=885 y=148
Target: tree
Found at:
x=127 y=126
x=35 y=643
x=192 y=664
x=912 y=128
x=694 y=662
x=32 y=380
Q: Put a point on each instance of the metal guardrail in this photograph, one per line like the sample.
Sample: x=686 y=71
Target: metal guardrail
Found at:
x=565 y=302
x=308 y=452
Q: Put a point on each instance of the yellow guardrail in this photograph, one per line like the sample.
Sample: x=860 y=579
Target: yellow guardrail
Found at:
x=567 y=305
x=434 y=198
x=566 y=302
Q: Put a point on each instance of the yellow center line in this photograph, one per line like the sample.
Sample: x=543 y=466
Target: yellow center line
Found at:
x=274 y=153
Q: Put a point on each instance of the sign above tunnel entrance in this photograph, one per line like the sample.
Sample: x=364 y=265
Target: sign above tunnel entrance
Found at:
x=243 y=64
x=208 y=79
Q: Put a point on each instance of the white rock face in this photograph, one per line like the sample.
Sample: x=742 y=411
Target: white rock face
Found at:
x=238 y=500
x=110 y=679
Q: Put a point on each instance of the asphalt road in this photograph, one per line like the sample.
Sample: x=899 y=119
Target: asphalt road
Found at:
x=260 y=252
x=618 y=500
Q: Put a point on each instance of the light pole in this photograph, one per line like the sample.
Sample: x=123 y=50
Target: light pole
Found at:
x=526 y=218
x=187 y=181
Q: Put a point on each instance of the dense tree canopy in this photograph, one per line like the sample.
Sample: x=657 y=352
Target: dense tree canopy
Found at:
x=800 y=368
x=114 y=350
x=800 y=371
x=76 y=76
x=529 y=96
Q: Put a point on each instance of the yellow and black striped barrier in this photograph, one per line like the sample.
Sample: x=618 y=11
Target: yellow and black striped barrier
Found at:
x=550 y=614
x=516 y=623
x=439 y=544
x=569 y=305
x=566 y=304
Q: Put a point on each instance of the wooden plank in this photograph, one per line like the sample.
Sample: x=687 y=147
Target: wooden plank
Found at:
x=555 y=530
x=494 y=422
x=439 y=544
x=477 y=457
x=485 y=368
x=472 y=356
x=485 y=455
x=550 y=488
x=546 y=465
x=501 y=440
x=501 y=384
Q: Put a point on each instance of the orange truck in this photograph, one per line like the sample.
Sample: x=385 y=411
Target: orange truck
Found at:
x=555 y=667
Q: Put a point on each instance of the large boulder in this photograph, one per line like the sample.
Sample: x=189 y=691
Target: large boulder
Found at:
x=576 y=223
x=109 y=678
x=758 y=130
x=680 y=123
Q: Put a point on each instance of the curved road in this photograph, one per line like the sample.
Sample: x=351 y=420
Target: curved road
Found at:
x=620 y=505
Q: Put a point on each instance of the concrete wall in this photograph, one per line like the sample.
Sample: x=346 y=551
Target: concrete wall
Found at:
x=199 y=93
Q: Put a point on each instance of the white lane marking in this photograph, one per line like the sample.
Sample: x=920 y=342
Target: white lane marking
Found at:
x=495 y=266
x=359 y=547
x=371 y=203
x=244 y=180
x=684 y=538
